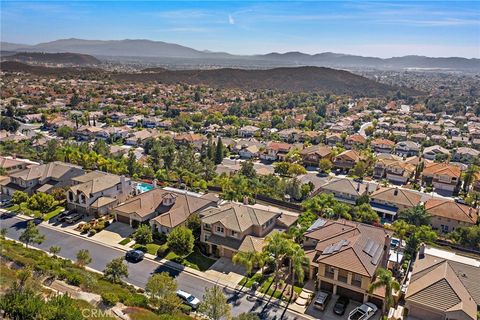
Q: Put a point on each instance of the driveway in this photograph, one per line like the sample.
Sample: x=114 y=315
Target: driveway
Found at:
x=114 y=233
x=328 y=314
x=224 y=269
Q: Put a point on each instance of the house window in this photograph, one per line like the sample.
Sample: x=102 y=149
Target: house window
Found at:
x=342 y=275
x=206 y=226
x=220 y=229
x=444 y=228
x=329 y=272
x=356 y=280
x=234 y=234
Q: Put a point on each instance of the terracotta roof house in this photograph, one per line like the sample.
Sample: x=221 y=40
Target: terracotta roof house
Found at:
x=389 y=201
x=163 y=209
x=333 y=138
x=44 y=178
x=447 y=215
x=395 y=169
x=97 y=192
x=312 y=155
x=443 y=285
x=344 y=256
x=235 y=227
x=11 y=165
x=347 y=159
x=355 y=141
x=345 y=190
x=190 y=138
x=382 y=145
x=444 y=177
x=276 y=151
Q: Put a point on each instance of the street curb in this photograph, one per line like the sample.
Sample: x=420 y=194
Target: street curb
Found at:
x=171 y=264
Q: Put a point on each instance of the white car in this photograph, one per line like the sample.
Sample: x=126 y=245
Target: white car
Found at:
x=364 y=312
x=188 y=299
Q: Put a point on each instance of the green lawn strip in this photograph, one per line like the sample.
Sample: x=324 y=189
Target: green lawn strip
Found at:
x=93 y=313
x=268 y=287
x=195 y=260
x=53 y=213
x=248 y=282
x=23 y=209
x=125 y=241
x=152 y=248
x=298 y=290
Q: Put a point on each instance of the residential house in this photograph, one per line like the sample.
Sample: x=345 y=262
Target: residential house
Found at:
x=333 y=139
x=344 y=189
x=418 y=137
x=347 y=159
x=430 y=153
x=248 y=131
x=389 y=201
x=138 y=138
x=311 y=156
x=407 y=148
x=447 y=215
x=355 y=141
x=196 y=140
x=97 y=192
x=249 y=152
x=41 y=178
x=443 y=177
x=465 y=155
x=290 y=135
x=87 y=133
x=235 y=227
x=163 y=209
x=382 y=145
x=344 y=256
x=11 y=165
x=443 y=285
x=276 y=151
x=395 y=169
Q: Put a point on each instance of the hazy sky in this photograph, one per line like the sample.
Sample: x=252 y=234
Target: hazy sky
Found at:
x=375 y=28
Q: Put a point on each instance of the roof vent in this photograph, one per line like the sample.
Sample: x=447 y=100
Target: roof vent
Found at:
x=169 y=199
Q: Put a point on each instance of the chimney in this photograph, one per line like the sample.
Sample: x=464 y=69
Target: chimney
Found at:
x=421 y=251
x=123 y=184
x=387 y=242
x=154 y=183
x=245 y=200
x=358 y=186
x=395 y=193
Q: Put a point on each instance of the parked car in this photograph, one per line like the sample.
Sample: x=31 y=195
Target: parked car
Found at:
x=74 y=217
x=188 y=299
x=341 y=305
x=364 y=312
x=134 y=255
x=62 y=216
x=321 y=300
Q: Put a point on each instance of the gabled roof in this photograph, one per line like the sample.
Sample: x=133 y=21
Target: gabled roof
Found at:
x=451 y=210
x=95 y=181
x=321 y=151
x=442 y=169
x=349 y=245
x=238 y=217
x=398 y=196
x=383 y=142
x=350 y=154
x=52 y=170
x=345 y=186
x=279 y=146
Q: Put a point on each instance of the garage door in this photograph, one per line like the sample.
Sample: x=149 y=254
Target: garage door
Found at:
x=326 y=286
x=123 y=219
x=354 y=295
x=376 y=301
x=228 y=253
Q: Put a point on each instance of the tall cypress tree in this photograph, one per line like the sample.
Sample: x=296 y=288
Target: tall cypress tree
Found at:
x=219 y=152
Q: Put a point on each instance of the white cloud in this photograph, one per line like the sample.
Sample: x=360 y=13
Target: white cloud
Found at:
x=230 y=19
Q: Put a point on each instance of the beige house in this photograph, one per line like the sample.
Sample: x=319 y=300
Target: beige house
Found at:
x=97 y=192
x=345 y=190
x=443 y=285
x=12 y=165
x=235 y=227
x=43 y=178
x=344 y=256
x=163 y=209
x=394 y=168
x=311 y=156
x=447 y=215
x=388 y=202
x=347 y=159
x=444 y=177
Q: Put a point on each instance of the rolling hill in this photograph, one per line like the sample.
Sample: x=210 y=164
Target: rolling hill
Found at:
x=61 y=58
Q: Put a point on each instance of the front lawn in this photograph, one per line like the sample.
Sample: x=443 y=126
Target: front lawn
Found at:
x=195 y=260
x=257 y=277
x=23 y=209
x=152 y=248
x=125 y=241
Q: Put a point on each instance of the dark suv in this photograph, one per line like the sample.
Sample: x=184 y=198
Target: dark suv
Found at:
x=341 y=305
x=134 y=255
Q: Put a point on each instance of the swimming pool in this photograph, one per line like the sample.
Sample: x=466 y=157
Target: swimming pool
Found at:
x=144 y=187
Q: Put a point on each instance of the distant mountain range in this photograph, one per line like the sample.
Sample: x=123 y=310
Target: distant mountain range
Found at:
x=160 y=52
x=296 y=79
x=78 y=59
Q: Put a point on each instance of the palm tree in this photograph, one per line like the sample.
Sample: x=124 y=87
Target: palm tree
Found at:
x=469 y=177
x=401 y=228
x=416 y=215
x=384 y=278
x=249 y=259
x=298 y=261
x=276 y=249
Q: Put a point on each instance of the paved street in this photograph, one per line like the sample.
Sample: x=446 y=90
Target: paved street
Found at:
x=140 y=272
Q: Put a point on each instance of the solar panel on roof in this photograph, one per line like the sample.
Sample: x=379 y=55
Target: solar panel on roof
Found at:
x=317 y=224
x=368 y=246
x=377 y=256
x=328 y=250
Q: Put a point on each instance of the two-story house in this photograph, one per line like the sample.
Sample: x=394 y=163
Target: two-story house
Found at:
x=11 y=165
x=382 y=145
x=312 y=155
x=344 y=256
x=443 y=177
x=407 y=148
x=234 y=227
x=163 y=209
x=347 y=159
x=276 y=151
x=248 y=131
x=43 y=178
x=447 y=215
x=345 y=190
x=355 y=141
x=395 y=169
x=97 y=192
x=465 y=155
x=388 y=201
x=430 y=153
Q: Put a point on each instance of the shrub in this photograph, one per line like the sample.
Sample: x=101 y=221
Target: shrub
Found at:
x=92 y=232
x=135 y=300
x=107 y=223
x=99 y=226
x=85 y=228
x=110 y=298
x=141 y=248
x=74 y=279
x=162 y=251
x=62 y=274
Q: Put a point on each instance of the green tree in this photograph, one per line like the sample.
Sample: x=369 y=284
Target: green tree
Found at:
x=364 y=213
x=19 y=197
x=384 y=279
x=64 y=132
x=162 y=290
x=401 y=229
x=416 y=215
x=359 y=170
x=115 y=270
x=22 y=304
x=281 y=168
x=194 y=223
x=246 y=316
x=298 y=261
x=276 y=248
x=247 y=169
x=214 y=304
x=3 y=232
x=181 y=241
x=219 y=151
x=143 y=234
x=83 y=258
x=41 y=201
x=469 y=177
x=54 y=250
x=296 y=169
x=325 y=165
x=467 y=236
x=31 y=234
x=249 y=259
